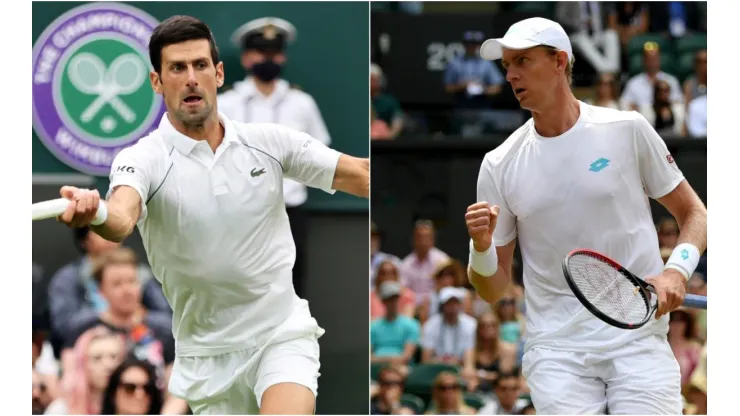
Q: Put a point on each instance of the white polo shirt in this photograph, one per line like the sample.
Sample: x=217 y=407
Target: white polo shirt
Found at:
x=215 y=228
x=587 y=188
x=286 y=106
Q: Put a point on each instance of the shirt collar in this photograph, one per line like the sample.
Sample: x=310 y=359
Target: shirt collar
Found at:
x=185 y=144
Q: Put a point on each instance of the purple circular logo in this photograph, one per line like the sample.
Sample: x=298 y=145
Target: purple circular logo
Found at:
x=91 y=91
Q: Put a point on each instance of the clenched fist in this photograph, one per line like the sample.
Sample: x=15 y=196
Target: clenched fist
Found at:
x=481 y=221
x=82 y=207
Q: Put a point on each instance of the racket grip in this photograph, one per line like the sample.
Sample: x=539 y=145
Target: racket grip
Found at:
x=56 y=207
x=695 y=301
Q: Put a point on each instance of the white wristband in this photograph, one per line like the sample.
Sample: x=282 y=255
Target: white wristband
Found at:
x=486 y=263
x=101 y=215
x=685 y=258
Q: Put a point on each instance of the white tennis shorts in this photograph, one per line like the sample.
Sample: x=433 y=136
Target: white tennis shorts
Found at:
x=640 y=379
x=234 y=383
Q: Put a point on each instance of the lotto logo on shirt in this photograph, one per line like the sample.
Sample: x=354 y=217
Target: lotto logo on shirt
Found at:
x=91 y=91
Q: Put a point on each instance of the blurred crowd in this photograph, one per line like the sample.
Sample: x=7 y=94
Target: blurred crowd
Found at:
x=650 y=57
x=102 y=335
x=438 y=348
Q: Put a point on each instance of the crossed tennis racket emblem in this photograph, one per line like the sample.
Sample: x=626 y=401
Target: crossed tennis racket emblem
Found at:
x=125 y=75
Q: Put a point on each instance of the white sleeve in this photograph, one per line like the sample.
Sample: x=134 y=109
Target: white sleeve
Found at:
x=131 y=167
x=428 y=337
x=676 y=90
x=696 y=123
x=305 y=159
x=317 y=128
x=488 y=191
x=628 y=97
x=658 y=170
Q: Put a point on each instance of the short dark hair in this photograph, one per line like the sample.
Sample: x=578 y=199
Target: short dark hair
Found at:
x=121 y=255
x=514 y=373
x=178 y=29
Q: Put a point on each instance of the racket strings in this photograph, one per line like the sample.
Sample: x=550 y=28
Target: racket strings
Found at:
x=607 y=289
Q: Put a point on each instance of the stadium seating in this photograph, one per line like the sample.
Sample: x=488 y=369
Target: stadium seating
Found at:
x=474 y=400
x=413 y=402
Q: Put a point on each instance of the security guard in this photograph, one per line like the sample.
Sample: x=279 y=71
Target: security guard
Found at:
x=264 y=97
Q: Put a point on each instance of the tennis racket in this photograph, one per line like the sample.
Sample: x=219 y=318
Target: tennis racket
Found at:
x=56 y=207
x=611 y=292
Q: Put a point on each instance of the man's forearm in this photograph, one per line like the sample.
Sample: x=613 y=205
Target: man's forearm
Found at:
x=694 y=228
x=118 y=226
x=490 y=288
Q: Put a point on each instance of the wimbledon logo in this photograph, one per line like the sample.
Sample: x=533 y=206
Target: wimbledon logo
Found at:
x=91 y=91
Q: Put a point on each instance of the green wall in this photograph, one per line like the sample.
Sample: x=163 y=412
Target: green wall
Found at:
x=329 y=60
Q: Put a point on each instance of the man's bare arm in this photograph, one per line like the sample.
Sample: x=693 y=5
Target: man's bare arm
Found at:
x=493 y=288
x=352 y=176
x=124 y=209
x=690 y=214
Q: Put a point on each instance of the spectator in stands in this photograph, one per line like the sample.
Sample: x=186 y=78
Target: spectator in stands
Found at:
x=133 y=390
x=527 y=410
x=696 y=85
x=697 y=390
x=674 y=18
x=150 y=332
x=447 y=397
x=640 y=91
x=44 y=391
x=585 y=22
x=606 y=92
x=682 y=338
x=87 y=369
x=377 y=256
x=385 y=107
x=668 y=233
x=449 y=336
x=628 y=19
x=449 y=273
x=491 y=356
x=388 y=399
x=506 y=401
x=471 y=79
x=666 y=116
x=394 y=338
x=696 y=122
x=417 y=267
x=73 y=294
x=388 y=272
x=511 y=320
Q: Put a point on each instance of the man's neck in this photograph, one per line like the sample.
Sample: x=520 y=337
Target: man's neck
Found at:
x=451 y=320
x=422 y=255
x=211 y=130
x=265 y=88
x=652 y=75
x=122 y=320
x=391 y=316
x=559 y=117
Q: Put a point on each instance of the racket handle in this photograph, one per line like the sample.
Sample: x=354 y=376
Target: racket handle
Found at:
x=55 y=207
x=695 y=301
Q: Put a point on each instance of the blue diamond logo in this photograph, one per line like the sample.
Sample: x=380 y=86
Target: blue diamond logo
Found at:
x=599 y=165
x=685 y=254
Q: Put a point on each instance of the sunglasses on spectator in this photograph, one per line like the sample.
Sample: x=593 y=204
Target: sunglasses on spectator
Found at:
x=40 y=386
x=130 y=388
x=507 y=388
x=390 y=383
x=508 y=301
x=488 y=324
x=447 y=387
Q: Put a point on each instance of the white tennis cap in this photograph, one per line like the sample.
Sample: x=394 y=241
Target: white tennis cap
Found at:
x=526 y=34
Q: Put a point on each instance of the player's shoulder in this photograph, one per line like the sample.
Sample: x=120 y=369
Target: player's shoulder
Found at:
x=604 y=115
x=510 y=147
x=150 y=148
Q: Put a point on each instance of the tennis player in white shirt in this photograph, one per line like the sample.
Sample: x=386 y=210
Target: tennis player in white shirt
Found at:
x=578 y=176
x=207 y=196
